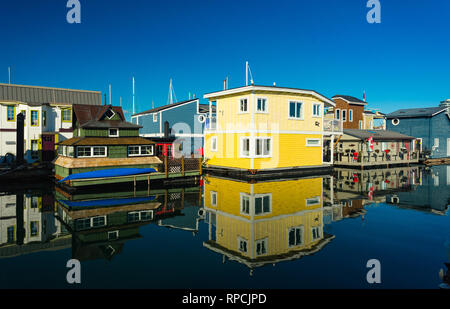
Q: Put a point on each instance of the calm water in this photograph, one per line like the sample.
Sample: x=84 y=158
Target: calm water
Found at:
x=317 y=232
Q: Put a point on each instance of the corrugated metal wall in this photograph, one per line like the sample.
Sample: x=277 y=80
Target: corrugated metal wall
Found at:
x=39 y=95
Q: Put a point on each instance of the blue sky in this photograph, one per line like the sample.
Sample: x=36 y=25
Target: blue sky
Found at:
x=324 y=45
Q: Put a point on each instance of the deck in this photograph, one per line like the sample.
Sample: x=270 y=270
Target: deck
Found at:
x=372 y=161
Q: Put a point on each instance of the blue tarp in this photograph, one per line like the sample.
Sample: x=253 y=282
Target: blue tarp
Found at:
x=108 y=202
x=114 y=172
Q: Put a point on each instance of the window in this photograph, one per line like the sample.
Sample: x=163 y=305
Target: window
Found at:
x=316 y=110
x=34 y=149
x=155 y=117
x=263 y=147
x=109 y=113
x=44 y=118
x=338 y=114
x=295 y=236
x=261 y=246
x=313 y=201
x=67 y=115
x=245 y=147
x=34 y=118
x=213 y=198
x=245 y=204
x=146 y=150
x=113 y=132
x=360 y=125
x=91 y=151
x=436 y=143
x=70 y=151
x=34 y=228
x=113 y=235
x=98 y=221
x=395 y=121
x=263 y=204
x=214 y=143
x=315 y=233
x=34 y=202
x=135 y=216
x=11 y=111
x=313 y=142
x=11 y=234
x=242 y=245
x=344 y=115
x=296 y=110
x=243 y=105
x=261 y=105
x=82 y=224
x=350 y=115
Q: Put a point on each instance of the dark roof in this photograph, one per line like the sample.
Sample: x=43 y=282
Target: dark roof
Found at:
x=97 y=141
x=89 y=116
x=160 y=108
x=378 y=135
x=45 y=95
x=416 y=112
x=349 y=99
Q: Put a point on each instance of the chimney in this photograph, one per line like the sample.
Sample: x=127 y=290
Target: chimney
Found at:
x=166 y=129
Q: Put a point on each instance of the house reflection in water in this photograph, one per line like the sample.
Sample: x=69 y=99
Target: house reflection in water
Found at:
x=28 y=225
x=431 y=193
x=264 y=223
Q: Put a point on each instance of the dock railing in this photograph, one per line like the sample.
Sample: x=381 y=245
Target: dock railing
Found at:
x=332 y=125
x=180 y=166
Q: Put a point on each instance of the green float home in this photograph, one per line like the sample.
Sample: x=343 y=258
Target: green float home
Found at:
x=103 y=142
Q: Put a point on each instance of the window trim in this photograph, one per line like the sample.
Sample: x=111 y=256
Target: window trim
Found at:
x=312 y=234
x=14 y=113
x=262 y=195
x=302 y=110
x=308 y=200
x=114 y=113
x=31 y=118
x=239 y=239
x=211 y=194
x=302 y=228
x=92 y=151
x=262 y=155
x=62 y=114
x=266 y=111
x=350 y=115
x=34 y=152
x=262 y=240
x=313 y=139
x=239 y=106
x=338 y=114
x=140 y=151
x=241 y=152
x=319 y=110
x=109 y=132
x=155 y=115
x=344 y=112
x=37 y=229
x=140 y=215
x=213 y=139
x=242 y=195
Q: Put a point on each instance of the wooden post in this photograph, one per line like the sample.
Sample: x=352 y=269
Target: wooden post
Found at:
x=182 y=166
x=200 y=165
x=166 y=168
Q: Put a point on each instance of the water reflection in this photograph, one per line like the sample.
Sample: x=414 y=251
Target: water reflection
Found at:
x=264 y=223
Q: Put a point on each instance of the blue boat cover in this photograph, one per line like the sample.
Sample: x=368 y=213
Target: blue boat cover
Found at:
x=114 y=172
x=108 y=202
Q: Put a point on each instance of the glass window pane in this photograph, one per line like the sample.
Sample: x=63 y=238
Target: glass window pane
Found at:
x=291 y=237
x=292 y=110
x=299 y=110
x=258 y=205
x=266 y=203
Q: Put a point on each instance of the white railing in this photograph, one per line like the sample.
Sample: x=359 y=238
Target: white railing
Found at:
x=332 y=125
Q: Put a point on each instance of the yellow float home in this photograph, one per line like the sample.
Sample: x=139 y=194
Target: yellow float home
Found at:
x=265 y=222
x=268 y=128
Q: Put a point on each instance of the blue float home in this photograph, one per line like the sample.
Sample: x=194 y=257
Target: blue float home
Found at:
x=430 y=125
x=187 y=121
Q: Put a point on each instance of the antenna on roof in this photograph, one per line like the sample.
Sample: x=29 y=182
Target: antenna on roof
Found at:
x=9 y=74
x=153 y=104
x=120 y=101
x=171 y=93
x=109 y=94
x=133 y=95
x=248 y=70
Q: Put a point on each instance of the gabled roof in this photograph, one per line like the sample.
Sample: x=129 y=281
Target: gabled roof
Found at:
x=269 y=89
x=101 y=141
x=350 y=99
x=45 y=95
x=160 y=108
x=416 y=112
x=378 y=135
x=89 y=116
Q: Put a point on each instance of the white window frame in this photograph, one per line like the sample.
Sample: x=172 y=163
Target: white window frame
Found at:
x=313 y=201
x=92 y=152
x=240 y=111
x=112 y=114
x=116 y=233
x=350 y=115
x=109 y=132
x=92 y=221
x=302 y=241
x=262 y=196
x=318 y=231
x=319 y=108
x=213 y=195
x=249 y=197
x=361 y=125
x=266 y=245
x=344 y=115
x=140 y=215
x=302 y=110
x=264 y=139
x=140 y=151
x=266 y=105
x=239 y=240
x=313 y=139
x=249 y=147
x=155 y=117
x=338 y=114
x=214 y=143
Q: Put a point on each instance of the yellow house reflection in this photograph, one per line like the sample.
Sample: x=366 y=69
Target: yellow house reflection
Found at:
x=264 y=223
